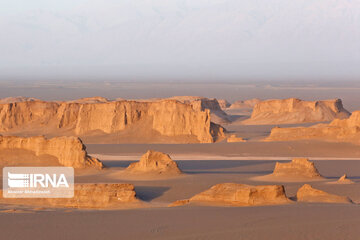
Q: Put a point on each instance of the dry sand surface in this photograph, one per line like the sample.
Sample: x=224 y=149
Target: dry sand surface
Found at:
x=202 y=167
x=157 y=221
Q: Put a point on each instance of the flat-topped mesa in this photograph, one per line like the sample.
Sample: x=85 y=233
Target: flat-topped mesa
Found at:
x=239 y=195
x=99 y=196
x=202 y=103
x=240 y=104
x=292 y=111
x=17 y=99
x=168 y=118
x=309 y=194
x=298 y=167
x=343 y=130
x=90 y=100
x=69 y=151
x=156 y=163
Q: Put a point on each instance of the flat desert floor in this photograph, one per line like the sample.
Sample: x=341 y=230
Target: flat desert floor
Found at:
x=157 y=221
x=204 y=165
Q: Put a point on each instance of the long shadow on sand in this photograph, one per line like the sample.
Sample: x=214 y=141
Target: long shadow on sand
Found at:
x=218 y=164
x=148 y=193
x=229 y=172
x=119 y=163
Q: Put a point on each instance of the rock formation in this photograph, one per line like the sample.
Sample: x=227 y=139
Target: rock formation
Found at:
x=168 y=118
x=156 y=163
x=245 y=104
x=309 y=194
x=69 y=151
x=344 y=180
x=344 y=130
x=90 y=100
x=239 y=195
x=233 y=138
x=223 y=103
x=202 y=103
x=17 y=99
x=297 y=168
x=86 y=196
x=292 y=110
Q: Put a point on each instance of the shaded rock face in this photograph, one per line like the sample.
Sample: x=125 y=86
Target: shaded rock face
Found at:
x=309 y=194
x=201 y=104
x=155 y=162
x=344 y=130
x=298 y=167
x=86 y=196
x=69 y=151
x=240 y=195
x=223 y=103
x=291 y=111
x=167 y=117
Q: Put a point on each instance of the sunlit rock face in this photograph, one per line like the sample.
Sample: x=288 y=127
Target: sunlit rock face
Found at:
x=342 y=130
x=155 y=162
x=169 y=118
x=309 y=194
x=69 y=151
x=292 y=110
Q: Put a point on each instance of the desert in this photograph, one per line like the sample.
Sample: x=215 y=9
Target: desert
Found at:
x=180 y=120
x=168 y=161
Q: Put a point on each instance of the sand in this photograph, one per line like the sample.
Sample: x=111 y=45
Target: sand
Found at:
x=305 y=220
x=204 y=165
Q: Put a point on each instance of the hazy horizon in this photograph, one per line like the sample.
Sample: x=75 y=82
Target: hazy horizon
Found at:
x=220 y=40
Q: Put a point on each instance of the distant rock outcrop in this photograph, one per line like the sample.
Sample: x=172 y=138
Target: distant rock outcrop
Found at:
x=202 y=103
x=69 y=151
x=90 y=100
x=246 y=104
x=292 y=110
x=309 y=194
x=100 y=196
x=344 y=180
x=17 y=99
x=298 y=167
x=223 y=103
x=233 y=138
x=239 y=195
x=168 y=118
x=156 y=163
x=343 y=130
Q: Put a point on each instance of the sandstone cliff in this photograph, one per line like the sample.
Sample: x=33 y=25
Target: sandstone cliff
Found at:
x=69 y=151
x=345 y=130
x=168 y=118
x=239 y=195
x=223 y=103
x=309 y=194
x=100 y=196
x=292 y=110
x=202 y=103
x=298 y=167
x=156 y=163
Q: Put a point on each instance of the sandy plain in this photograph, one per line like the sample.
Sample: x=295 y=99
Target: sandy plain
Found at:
x=205 y=165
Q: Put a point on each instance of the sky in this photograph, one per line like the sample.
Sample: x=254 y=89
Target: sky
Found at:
x=180 y=39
